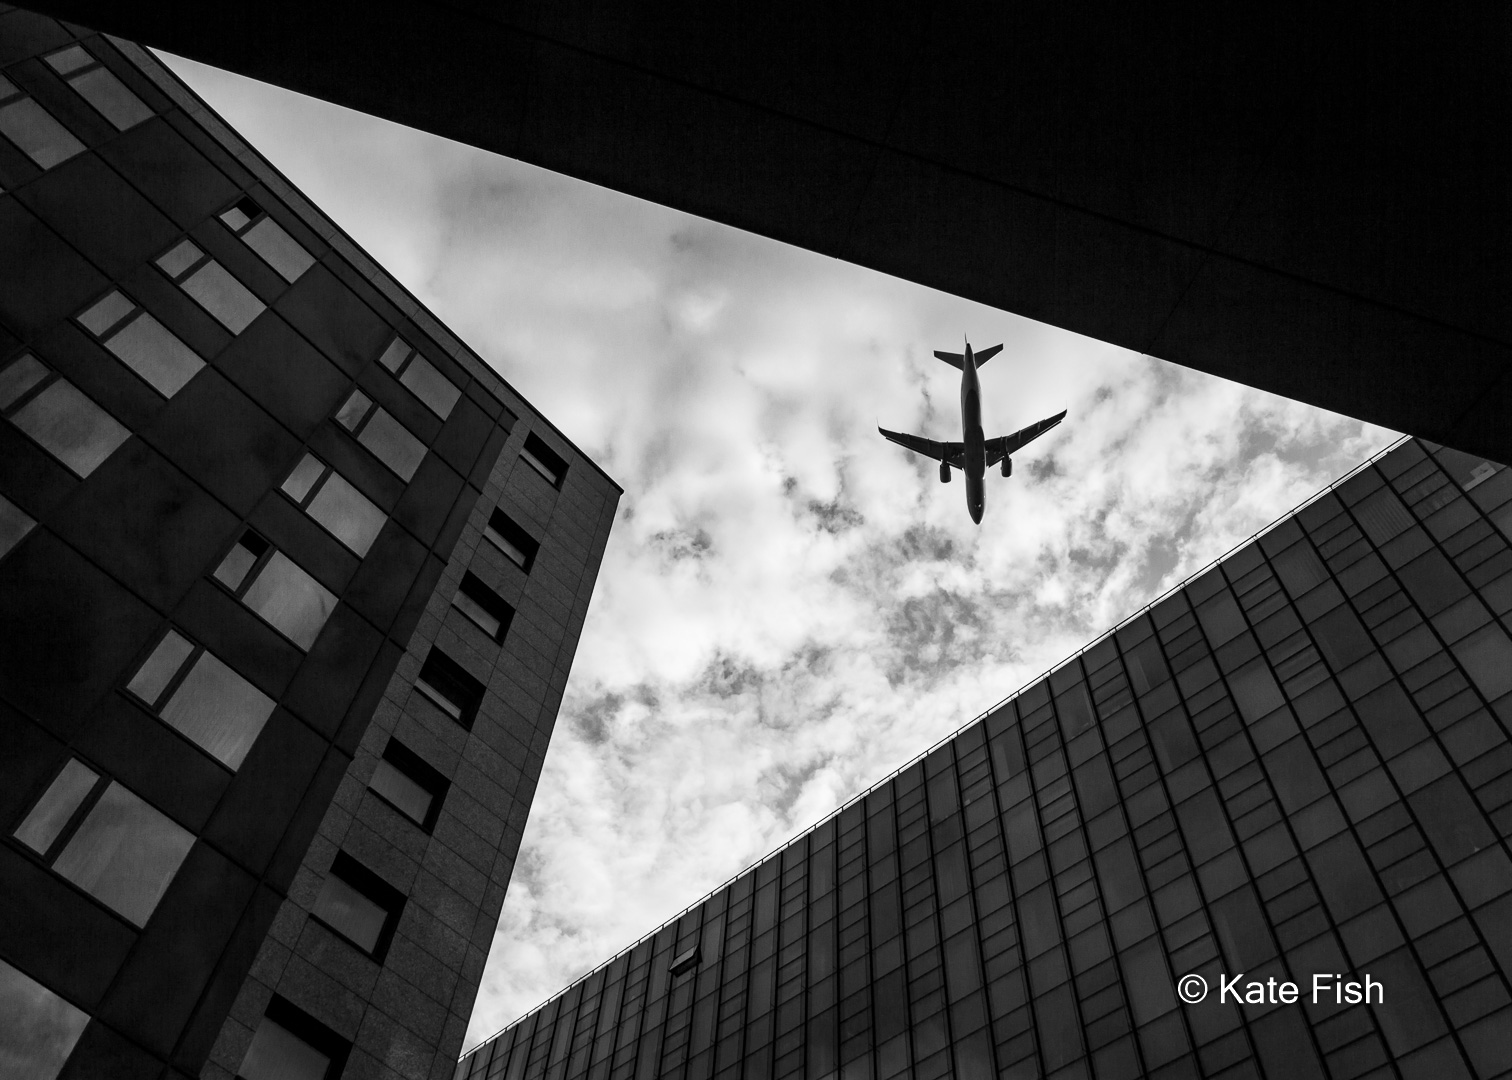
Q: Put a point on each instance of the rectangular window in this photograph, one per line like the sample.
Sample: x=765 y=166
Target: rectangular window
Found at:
x=194 y=692
x=330 y=499
x=274 y=586
x=511 y=539
x=544 y=460
x=448 y=684
x=409 y=784
x=421 y=377
x=359 y=905
x=97 y=85
x=57 y=415
x=268 y=238
x=375 y=428
x=141 y=343
x=106 y=840
x=289 y=1044
x=685 y=961
x=211 y=286
x=37 y=1028
x=33 y=129
x=15 y=523
x=484 y=606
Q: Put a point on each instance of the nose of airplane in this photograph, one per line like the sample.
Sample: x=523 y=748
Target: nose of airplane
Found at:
x=976 y=512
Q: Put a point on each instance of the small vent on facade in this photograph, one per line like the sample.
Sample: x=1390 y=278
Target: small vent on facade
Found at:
x=686 y=961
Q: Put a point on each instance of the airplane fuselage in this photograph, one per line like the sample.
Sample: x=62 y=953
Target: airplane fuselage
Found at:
x=971 y=435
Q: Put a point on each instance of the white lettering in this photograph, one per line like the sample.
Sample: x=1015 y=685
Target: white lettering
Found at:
x=1227 y=988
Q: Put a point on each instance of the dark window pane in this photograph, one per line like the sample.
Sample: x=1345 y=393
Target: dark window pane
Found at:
x=125 y=854
x=405 y=793
x=278 y=1054
x=394 y=355
x=109 y=95
x=1147 y=667
x=355 y=408
x=148 y=348
x=1299 y=568
x=1341 y=637
x=282 y=252
x=350 y=516
x=223 y=296
x=1487 y=656
x=1220 y=618
x=160 y=668
x=72 y=428
x=1383 y=516
x=349 y=911
x=56 y=807
x=1255 y=690
x=14 y=525
x=219 y=710
x=18 y=378
x=484 y=607
x=544 y=460
x=391 y=442
x=290 y=599
x=37 y=134
x=303 y=478
x=38 y=1029
x=430 y=386
x=448 y=684
x=511 y=539
x=233 y=568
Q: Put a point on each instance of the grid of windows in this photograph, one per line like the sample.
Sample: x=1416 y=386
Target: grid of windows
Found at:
x=1297 y=764
x=96 y=84
x=211 y=285
x=57 y=415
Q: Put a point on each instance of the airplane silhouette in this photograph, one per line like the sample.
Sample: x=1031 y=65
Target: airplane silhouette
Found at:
x=974 y=455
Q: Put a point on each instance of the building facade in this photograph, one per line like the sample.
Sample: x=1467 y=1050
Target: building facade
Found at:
x=291 y=585
x=1295 y=767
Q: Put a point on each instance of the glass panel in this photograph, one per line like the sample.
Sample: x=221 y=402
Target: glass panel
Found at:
x=478 y=614
x=447 y=705
x=38 y=1029
x=291 y=600
x=515 y=554
x=405 y=793
x=70 y=59
x=354 y=410
x=282 y=252
x=349 y=515
x=108 y=94
x=18 y=378
x=430 y=386
x=56 y=807
x=7 y=88
x=1487 y=656
x=350 y=912
x=303 y=478
x=392 y=442
x=219 y=710
x=125 y=854
x=14 y=525
x=71 y=427
x=153 y=352
x=223 y=296
x=181 y=257
x=37 y=134
x=111 y=309
x=235 y=218
x=160 y=668
x=394 y=355
x=277 y=1054
x=539 y=466
x=233 y=568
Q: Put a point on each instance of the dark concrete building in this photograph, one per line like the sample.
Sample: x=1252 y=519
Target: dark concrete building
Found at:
x=291 y=585
x=1294 y=767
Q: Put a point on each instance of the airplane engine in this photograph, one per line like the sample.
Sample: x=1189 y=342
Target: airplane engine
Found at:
x=1007 y=466
x=944 y=472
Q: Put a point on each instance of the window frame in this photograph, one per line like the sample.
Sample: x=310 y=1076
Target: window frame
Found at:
x=363 y=424
x=399 y=363
x=305 y=501
x=120 y=325
x=438 y=664
x=507 y=533
x=371 y=887
x=253 y=573
x=94 y=63
x=256 y=217
x=196 y=265
x=304 y=1027
x=544 y=461
x=49 y=378
x=16 y=95
x=491 y=603
x=422 y=773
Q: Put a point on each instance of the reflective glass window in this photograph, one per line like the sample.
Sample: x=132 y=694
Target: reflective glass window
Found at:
x=36 y=134
x=377 y=429
x=58 y=416
x=358 y=904
x=211 y=285
x=15 y=523
x=409 y=783
x=448 y=684
x=1487 y=657
x=276 y=1053
x=484 y=607
x=125 y=853
x=153 y=677
x=543 y=460
x=38 y=1029
x=510 y=538
x=327 y=497
x=420 y=376
x=268 y=238
x=196 y=693
x=99 y=86
x=142 y=343
x=57 y=806
x=1255 y=690
x=274 y=586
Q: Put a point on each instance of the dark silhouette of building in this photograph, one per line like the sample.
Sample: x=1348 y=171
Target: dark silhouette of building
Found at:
x=291 y=585
x=1295 y=766
x=1313 y=203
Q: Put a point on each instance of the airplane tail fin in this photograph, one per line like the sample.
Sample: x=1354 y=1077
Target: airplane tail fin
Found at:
x=954 y=359
x=987 y=354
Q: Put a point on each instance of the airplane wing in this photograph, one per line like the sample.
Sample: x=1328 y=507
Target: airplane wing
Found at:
x=1001 y=447
x=953 y=452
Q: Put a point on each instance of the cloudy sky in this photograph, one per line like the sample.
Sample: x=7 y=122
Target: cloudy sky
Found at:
x=790 y=608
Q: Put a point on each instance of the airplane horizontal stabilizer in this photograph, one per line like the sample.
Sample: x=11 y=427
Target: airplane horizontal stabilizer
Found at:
x=987 y=354
x=954 y=359
x=952 y=452
x=1001 y=447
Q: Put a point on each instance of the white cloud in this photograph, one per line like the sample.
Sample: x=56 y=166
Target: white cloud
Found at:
x=789 y=607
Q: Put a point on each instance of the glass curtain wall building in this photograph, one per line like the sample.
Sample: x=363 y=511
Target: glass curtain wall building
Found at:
x=291 y=584
x=1295 y=766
